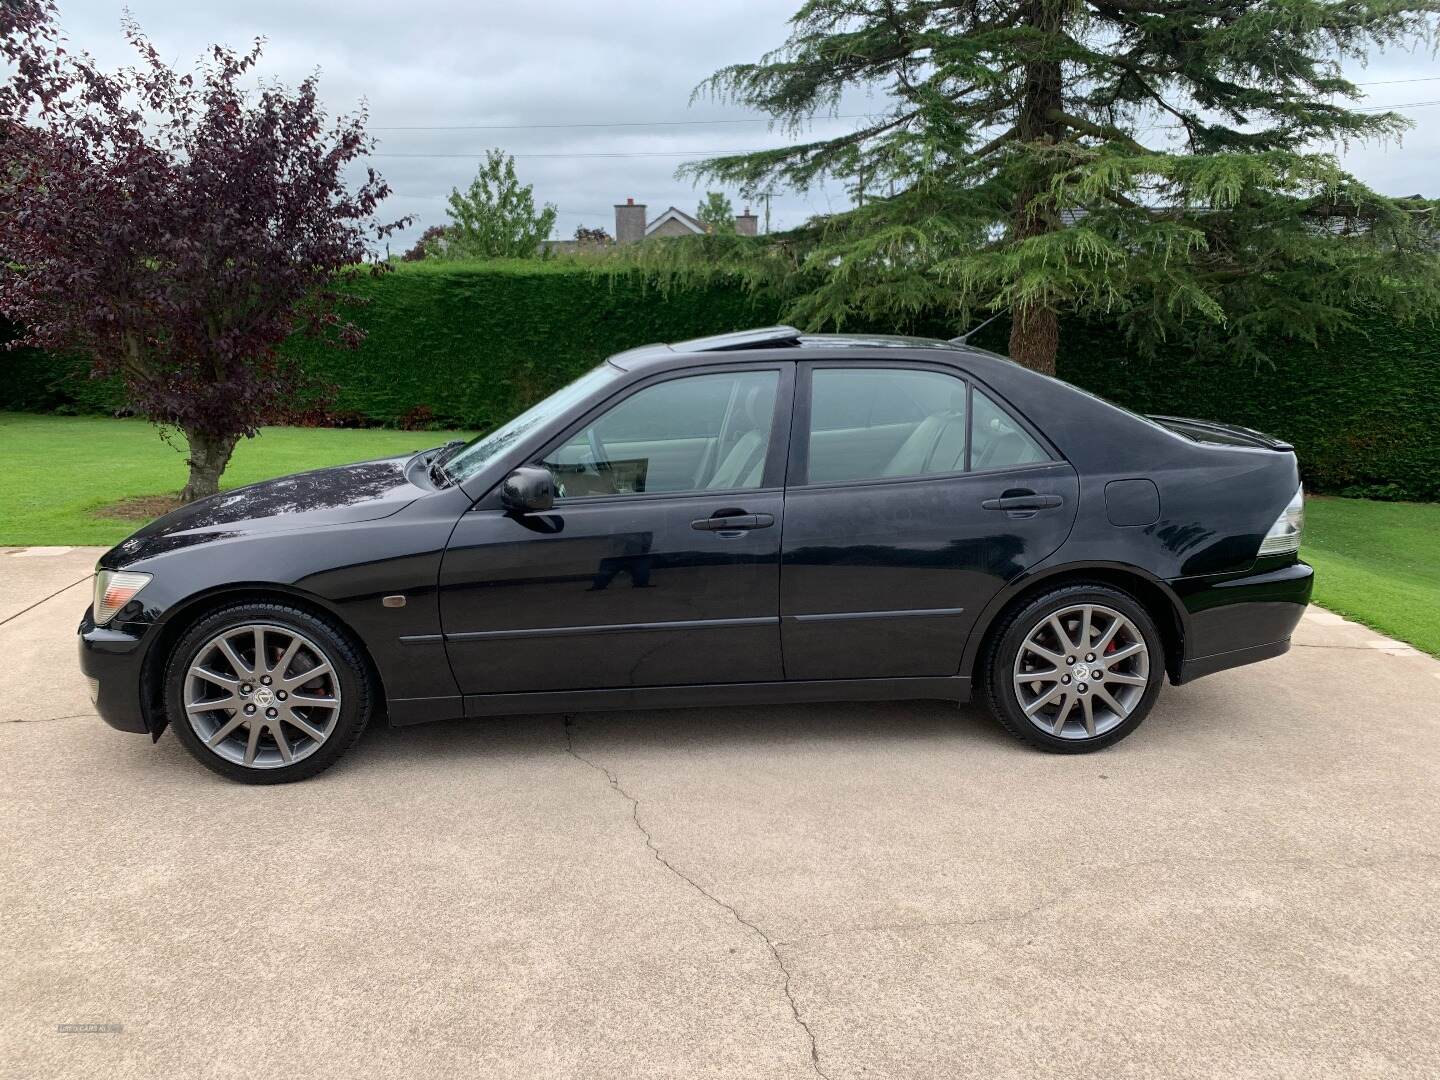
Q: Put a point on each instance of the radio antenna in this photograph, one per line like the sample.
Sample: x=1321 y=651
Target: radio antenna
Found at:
x=964 y=339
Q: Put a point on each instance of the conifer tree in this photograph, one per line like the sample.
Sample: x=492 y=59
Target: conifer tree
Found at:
x=1166 y=165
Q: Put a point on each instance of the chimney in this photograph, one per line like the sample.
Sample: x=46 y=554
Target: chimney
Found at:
x=746 y=224
x=629 y=222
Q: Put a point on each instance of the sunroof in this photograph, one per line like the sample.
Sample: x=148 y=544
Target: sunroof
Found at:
x=769 y=337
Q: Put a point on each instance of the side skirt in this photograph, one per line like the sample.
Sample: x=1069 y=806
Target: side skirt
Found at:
x=715 y=695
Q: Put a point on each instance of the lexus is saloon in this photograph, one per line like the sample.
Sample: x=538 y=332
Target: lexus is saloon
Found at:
x=758 y=517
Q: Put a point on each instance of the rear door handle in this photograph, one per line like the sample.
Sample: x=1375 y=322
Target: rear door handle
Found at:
x=734 y=522
x=1023 y=502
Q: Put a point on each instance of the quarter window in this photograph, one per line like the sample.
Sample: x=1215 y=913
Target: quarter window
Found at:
x=699 y=433
x=997 y=441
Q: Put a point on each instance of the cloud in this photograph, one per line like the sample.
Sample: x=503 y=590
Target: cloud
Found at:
x=528 y=66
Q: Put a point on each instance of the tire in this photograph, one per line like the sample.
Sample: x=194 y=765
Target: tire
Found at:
x=201 y=671
x=1066 y=709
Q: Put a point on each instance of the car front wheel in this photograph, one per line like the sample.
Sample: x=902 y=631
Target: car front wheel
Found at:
x=1074 y=670
x=266 y=693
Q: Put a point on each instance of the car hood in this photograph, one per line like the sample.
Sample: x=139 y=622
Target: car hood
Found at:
x=345 y=494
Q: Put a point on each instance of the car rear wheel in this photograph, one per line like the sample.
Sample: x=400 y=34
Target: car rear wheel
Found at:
x=1074 y=670
x=266 y=693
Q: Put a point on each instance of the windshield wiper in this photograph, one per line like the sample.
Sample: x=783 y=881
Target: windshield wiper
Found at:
x=439 y=475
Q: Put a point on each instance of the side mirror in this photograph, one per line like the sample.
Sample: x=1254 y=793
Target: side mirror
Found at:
x=530 y=489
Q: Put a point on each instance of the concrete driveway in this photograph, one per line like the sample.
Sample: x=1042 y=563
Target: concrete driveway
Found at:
x=1248 y=887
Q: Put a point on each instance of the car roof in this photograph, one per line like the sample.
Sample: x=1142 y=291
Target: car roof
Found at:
x=761 y=344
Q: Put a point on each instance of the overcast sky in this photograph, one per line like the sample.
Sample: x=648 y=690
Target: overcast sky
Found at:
x=545 y=74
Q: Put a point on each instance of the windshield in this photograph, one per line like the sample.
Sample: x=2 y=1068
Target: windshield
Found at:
x=480 y=451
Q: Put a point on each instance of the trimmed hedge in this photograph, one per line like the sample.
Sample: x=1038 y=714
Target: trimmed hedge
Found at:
x=1363 y=409
x=478 y=343
x=474 y=344
x=35 y=381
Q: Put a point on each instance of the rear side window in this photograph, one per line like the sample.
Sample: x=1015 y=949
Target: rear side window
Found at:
x=871 y=424
x=997 y=440
x=857 y=398
x=891 y=423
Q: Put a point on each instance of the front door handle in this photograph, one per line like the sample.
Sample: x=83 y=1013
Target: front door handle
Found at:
x=1030 y=501
x=734 y=522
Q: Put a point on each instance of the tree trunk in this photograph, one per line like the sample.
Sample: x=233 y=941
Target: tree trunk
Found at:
x=1035 y=338
x=1035 y=325
x=209 y=454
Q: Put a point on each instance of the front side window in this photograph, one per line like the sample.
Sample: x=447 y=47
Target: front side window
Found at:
x=872 y=424
x=698 y=433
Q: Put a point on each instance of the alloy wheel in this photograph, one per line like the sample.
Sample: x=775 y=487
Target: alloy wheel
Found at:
x=1081 y=671
x=262 y=696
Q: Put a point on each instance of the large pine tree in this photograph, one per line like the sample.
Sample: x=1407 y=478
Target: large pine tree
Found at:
x=1164 y=164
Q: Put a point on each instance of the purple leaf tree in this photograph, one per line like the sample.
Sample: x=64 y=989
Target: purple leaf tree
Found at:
x=177 y=227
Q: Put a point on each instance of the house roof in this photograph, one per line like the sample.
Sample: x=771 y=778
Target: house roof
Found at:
x=675 y=214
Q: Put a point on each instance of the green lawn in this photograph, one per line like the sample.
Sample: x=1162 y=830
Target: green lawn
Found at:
x=1378 y=563
x=1375 y=562
x=56 y=470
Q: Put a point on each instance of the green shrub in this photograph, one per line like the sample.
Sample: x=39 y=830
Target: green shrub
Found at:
x=469 y=345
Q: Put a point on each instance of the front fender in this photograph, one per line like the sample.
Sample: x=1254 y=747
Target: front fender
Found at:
x=342 y=571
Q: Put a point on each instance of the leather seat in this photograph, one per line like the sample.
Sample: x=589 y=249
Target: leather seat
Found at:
x=744 y=463
x=937 y=445
x=1007 y=449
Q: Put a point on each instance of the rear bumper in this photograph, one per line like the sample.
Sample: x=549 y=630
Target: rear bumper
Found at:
x=1240 y=620
x=112 y=661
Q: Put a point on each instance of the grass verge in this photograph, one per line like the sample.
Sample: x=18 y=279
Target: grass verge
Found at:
x=1379 y=564
x=57 y=471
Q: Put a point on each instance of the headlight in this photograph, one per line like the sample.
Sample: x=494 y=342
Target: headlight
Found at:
x=1284 y=535
x=114 y=589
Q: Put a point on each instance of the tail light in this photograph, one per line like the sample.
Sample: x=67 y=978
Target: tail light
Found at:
x=114 y=589
x=1284 y=535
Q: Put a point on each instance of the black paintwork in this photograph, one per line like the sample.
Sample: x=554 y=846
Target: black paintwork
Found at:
x=845 y=590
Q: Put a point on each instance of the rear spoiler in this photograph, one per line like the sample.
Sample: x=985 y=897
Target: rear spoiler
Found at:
x=1226 y=434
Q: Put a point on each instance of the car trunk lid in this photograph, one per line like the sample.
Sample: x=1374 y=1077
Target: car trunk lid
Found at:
x=1216 y=433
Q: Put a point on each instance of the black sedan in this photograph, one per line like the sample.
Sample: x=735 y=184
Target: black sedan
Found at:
x=758 y=517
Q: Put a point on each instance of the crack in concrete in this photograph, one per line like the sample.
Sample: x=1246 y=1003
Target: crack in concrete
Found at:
x=37 y=603
x=735 y=914
x=47 y=719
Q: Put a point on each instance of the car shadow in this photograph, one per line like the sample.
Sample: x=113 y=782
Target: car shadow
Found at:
x=1181 y=717
x=748 y=728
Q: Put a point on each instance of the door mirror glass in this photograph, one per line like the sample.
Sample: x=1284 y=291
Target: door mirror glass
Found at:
x=697 y=433
x=530 y=489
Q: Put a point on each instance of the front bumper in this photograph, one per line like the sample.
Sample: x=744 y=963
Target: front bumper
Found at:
x=1238 y=620
x=112 y=660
